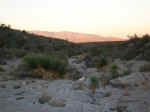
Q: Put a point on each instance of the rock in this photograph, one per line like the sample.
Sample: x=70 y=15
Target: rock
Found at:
x=17 y=87
x=130 y=80
x=74 y=75
x=19 y=98
x=107 y=94
x=76 y=70
x=6 y=77
x=116 y=83
x=23 y=83
x=138 y=101
x=45 y=98
x=2 y=62
x=20 y=93
x=81 y=83
x=135 y=66
x=2 y=86
x=91 y=70
x=121 y=66
x=55 y=102
x=22 y=74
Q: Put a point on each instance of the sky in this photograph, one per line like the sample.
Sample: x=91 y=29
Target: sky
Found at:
x=103 y=17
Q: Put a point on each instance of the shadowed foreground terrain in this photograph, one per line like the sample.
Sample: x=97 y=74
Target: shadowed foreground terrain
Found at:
x=43 y=74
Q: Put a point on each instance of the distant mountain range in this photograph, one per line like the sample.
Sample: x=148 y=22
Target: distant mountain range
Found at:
x=76 y=37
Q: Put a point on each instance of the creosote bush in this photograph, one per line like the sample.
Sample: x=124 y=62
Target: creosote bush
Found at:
x=46 y=63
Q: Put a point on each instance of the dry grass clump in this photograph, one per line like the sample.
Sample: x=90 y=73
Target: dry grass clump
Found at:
x=42 y=73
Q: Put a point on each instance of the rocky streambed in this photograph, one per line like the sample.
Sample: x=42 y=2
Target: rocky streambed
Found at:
x=36 y=95
x=60 y=96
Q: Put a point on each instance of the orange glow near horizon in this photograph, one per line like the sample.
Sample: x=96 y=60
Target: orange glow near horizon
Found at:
x=103 y=17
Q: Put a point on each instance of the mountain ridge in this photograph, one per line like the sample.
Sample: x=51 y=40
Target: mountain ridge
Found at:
x=76 y=37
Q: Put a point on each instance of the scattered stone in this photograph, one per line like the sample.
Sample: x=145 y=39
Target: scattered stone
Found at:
x=116 y=83
x=79 y=84
x=45 y=98
x=76 y=70
x=55 y=102
x=107 y=94
x=24 y=83
x=2 y=86
x=33 y=81
x=19 y=98
x=20 y=93
x=130 y=80
x=126 y=92
x=17 y=87
x=2 y=62
x=121 y=109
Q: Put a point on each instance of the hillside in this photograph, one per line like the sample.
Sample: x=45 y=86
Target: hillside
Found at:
x=136 y=47
x=77 y=37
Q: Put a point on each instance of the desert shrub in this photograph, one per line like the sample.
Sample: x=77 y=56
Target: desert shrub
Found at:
x=95 y=51
x=42 y=73
x=113 y=68
x=94 y=83
x=100 y=62
x=138 y=46
x=145 y=68
x=1 y=69
x=114 y=71
x=5 y=27
x=19 y=52
x=125 y=73
x=47 y=62
x=107 y=94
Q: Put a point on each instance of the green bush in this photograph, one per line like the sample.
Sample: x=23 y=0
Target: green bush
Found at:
x=48 y=62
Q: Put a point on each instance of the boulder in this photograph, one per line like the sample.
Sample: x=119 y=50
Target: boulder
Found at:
x=121 y=66
x=136 y=78
x=135 y=66
x=45 y=98
x=76 y=70
x=57 y=102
